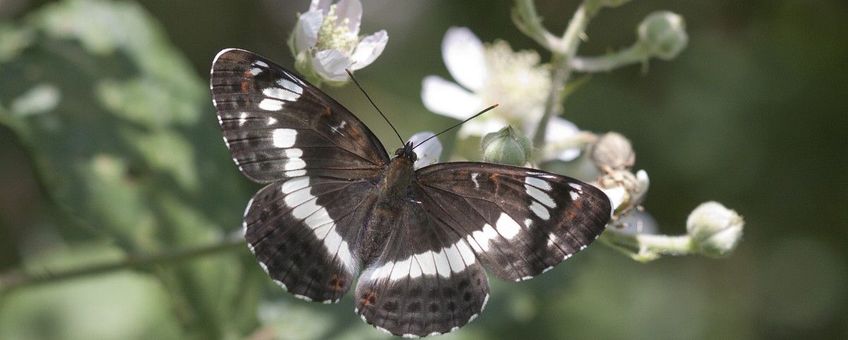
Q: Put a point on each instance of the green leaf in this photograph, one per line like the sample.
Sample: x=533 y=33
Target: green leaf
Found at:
x=124 y=137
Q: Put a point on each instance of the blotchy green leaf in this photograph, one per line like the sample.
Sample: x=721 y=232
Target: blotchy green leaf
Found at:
x=124 y=136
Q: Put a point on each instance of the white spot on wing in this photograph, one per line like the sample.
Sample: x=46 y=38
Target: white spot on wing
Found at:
x=242 y=118
x=319 y=219
x=484 y=236
x=281 y=94
x=307 y=208
x=428 y=264
x=296 y=198
x=574 y=195
x=246 y=209
x=294 y=164
x=400 y=270
x=293 y=153
x=465 y=251
x=474 y=179
x=537 y=182
x=260 y=63
x=295 y=173
x=294 y=184
x=290 y=86
x=576 y=186
x=507 y=227
x=540 y=210
x=540 y=196
x=269 y=104
x=552 y=239
x=414 y=268
x=473 y=242
x=272 y=121
x=303 y=297
x=442 y=264
x=454 y=259
x=283 y=138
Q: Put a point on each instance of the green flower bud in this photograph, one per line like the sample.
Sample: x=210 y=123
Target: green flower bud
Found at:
x=663 y=34
x=506 y=147
x=714 y=229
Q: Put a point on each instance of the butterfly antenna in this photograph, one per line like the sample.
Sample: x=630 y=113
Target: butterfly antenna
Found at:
x=458 y=124
x=374 y=105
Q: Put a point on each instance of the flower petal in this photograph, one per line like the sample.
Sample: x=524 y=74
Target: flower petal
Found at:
x=429 y=152
x=352 y=11
x=331 y=64
x=464 y=58
x=448 y=99
x=322 y=5
x=561 y=131
x=306 y=31
x=369 y=49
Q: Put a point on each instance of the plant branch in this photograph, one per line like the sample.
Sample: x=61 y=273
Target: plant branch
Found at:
x=631 y=55
x=18 y=279
x=648 y=247
x=563 y=52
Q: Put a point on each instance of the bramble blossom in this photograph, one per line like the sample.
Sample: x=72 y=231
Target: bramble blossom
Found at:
x=326 y=41
x=494 y=73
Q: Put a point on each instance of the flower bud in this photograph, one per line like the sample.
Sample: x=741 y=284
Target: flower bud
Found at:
x=714 y=229
x=506 y=147
x=663 y=34
x=613 y=151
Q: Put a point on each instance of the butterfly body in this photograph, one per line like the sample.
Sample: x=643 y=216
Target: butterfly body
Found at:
x=336 y=212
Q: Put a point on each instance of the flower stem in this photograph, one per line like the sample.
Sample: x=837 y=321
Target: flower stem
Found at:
x=631 y=55
x=647 y=247
x=18 y=279
x=563 y=52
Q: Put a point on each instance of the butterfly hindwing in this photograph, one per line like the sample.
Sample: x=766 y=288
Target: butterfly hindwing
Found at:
x=519 y=222
x=426 y=280
x=303 y=233
x=276 y=125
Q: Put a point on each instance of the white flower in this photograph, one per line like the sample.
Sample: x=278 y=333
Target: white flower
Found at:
x=494 y=73
x=429 y=152
x=326 y=41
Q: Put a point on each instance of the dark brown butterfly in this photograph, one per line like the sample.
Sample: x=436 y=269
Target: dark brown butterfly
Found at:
x=337 y=211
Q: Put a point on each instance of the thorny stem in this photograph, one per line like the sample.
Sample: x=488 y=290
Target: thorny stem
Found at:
x=17 y=279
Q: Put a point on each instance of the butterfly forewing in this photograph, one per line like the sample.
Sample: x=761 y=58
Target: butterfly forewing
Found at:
x=276 y=125
x=425 y=281
x=519 y=222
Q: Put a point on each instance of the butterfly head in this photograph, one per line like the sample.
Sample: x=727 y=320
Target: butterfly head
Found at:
x=407 y=152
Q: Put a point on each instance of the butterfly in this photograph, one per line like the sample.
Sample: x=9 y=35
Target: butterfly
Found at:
x=337 y=212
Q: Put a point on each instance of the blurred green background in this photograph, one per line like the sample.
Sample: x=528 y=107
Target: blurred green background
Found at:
x=109 y=148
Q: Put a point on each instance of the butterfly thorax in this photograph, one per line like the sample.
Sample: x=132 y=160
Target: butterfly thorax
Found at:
x=399 y=174
x=394 y=197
